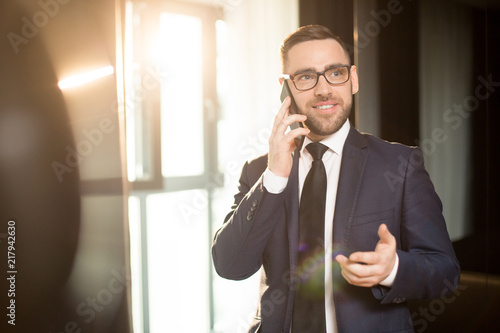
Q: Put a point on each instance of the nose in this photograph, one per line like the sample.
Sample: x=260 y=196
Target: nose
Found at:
x=322 y=88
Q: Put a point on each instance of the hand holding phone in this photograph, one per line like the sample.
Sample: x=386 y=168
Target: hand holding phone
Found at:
x=281 y=143
x=285 y=91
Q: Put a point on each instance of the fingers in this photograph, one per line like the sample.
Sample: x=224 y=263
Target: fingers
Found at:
x=368 y=258
x=283 y=119
x=359 y=274
x=280 y=144
x=357 y=268
x=341 y=259
x=282 y=113
x=384 y=248
x=366 y=269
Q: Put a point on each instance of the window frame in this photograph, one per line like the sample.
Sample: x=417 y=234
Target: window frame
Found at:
x=211 y=177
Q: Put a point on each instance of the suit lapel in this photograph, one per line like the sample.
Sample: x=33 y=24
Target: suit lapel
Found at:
x=353 y=163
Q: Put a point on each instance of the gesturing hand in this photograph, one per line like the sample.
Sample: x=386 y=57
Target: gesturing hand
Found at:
x=281 y=145
x=366 y=269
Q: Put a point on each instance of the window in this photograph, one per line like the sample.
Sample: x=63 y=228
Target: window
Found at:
x=170 y=89
x=177 y=204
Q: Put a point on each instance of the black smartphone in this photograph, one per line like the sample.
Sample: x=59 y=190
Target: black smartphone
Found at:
x=285 y=91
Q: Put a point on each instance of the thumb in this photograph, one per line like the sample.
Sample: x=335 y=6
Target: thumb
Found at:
x=385 y=235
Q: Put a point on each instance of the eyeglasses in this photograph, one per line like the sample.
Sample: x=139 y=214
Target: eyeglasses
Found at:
x=306 y=81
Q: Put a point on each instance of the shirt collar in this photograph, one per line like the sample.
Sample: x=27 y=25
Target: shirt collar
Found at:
x=335 y=141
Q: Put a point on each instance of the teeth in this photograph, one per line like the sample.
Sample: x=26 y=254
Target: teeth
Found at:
x=324 y=106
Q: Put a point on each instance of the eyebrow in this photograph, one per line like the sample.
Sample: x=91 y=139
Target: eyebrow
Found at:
x=312 y=70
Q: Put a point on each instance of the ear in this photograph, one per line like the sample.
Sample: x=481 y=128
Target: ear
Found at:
x=354 y=80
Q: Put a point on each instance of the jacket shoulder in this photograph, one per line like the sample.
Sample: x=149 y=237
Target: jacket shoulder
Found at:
x=385 y=147
x=256 y=167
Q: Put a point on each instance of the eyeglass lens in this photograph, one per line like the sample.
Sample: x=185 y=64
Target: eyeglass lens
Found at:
x=336 y=75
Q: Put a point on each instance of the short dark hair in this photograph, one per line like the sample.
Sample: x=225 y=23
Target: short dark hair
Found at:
x=308 y=33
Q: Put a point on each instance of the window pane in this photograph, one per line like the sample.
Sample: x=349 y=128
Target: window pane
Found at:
x=134 y=213
x=180 y=58
x=178 y=250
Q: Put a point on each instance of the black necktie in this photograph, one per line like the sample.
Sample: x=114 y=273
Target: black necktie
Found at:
x=309 y=306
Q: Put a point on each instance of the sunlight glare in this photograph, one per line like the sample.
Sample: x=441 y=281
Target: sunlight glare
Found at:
x=83 y=78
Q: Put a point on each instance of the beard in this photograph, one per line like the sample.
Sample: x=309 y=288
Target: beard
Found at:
x=327 y=124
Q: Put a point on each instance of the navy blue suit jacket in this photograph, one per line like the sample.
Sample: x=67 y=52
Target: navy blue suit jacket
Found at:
x=379 y=182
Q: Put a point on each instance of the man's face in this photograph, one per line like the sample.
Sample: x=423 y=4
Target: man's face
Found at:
x=326 y=106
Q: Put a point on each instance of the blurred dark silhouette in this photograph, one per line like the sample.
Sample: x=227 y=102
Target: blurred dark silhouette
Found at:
x=34 y=132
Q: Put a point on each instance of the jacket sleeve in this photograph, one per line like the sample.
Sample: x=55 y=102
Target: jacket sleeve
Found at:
x=428 y=267
x=239 y=244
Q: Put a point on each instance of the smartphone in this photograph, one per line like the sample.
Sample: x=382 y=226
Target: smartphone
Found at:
x=285 y=91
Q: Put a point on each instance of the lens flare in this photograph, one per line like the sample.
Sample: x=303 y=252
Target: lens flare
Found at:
x=81 y=79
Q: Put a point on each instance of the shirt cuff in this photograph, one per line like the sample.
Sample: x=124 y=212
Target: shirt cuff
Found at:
x=274 y=184
x=389 y=281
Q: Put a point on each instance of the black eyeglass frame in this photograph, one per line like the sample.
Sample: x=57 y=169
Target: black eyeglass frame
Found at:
x=292 y=76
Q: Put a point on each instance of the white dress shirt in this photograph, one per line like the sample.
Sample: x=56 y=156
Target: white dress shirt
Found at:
x=331 y=159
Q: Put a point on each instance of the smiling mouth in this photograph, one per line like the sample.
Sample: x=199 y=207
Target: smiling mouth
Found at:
x=324 y=107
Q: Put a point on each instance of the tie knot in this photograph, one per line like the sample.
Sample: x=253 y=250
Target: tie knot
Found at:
x=316 y=150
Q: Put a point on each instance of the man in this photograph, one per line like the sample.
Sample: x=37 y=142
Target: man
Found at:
x=382 y=235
